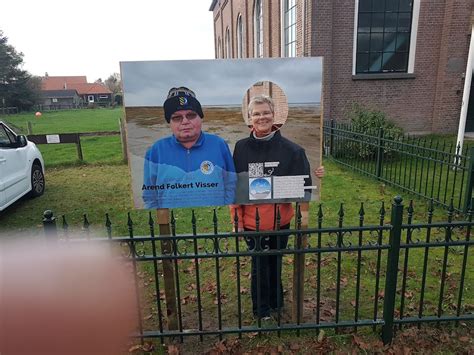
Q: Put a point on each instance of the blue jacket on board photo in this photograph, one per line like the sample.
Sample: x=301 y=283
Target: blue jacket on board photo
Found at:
x=175 y=176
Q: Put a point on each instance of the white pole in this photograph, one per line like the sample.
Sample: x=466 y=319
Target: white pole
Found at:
x=465 y=97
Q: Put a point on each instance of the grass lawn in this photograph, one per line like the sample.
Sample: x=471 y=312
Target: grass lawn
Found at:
x=423 y=165
x=98 y=150
x=95 y=150
x=102 y=185
x=68 y=121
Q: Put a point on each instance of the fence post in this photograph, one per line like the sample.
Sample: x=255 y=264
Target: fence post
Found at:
x=392 y=270
x=378 y=171
x=123 y=138
x=49 y=224
x=299 y=263
x=162 y=218
x=331 y=138
x=29 y=127
x=470 y=182
x=78 y=147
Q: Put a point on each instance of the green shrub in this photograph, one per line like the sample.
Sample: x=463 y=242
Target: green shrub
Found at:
x=369 y=121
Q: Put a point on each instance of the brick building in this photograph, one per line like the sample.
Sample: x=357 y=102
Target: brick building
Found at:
x=275 y=92
x=405 y=57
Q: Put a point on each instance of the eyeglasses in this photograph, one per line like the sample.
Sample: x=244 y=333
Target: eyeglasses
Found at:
x=179 y=118
x=257 y=115
x=179 y=91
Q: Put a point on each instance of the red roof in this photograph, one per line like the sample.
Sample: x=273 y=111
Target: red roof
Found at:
x=94 y=88
x=61 y=82
x=78 y=83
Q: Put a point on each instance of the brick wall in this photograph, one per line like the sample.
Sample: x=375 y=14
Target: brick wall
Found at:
x=454 y=48
x=275 y=92
x=429 y=102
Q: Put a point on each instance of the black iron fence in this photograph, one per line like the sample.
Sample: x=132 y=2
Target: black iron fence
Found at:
x=428 y=168
x=379 y=276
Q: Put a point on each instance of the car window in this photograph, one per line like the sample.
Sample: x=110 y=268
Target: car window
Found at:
x=10 y=135
x=5 y=140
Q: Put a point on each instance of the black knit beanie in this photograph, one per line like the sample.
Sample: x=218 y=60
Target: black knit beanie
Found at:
x=181 y=99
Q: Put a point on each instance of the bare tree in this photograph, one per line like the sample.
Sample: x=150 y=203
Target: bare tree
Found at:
x=114 y=83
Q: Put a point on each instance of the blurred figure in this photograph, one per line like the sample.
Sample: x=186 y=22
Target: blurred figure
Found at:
x=64 y=299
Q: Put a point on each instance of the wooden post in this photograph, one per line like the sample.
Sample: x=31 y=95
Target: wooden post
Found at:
x=162 y=218
x=299 y=266
x=123 y=137
x=30 y=127
x=79 y=148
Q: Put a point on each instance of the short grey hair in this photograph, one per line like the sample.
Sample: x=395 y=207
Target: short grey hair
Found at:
x=261 y=99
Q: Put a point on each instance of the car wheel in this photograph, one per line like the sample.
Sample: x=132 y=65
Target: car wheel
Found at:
x=37 y=181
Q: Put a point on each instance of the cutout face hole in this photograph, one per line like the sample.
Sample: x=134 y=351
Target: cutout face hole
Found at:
x=264 y=107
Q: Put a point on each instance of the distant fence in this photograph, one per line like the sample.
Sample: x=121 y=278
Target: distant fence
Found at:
x=8 y=110
x=382 y=275
x=430 y=169
x=72 y=106
x=74 y=138
x=62 y=106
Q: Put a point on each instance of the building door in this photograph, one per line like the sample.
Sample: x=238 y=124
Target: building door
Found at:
x=470 y=111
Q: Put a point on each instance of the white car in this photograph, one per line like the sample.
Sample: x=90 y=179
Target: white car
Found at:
x=21 y=167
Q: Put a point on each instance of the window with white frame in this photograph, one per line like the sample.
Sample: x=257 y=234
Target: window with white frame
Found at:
x=289 y=28
x=384 y=35
x=258 y=28
x=240 y=37
x=227 y=51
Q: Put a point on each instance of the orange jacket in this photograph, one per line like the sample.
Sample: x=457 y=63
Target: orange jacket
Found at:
x=266 y=212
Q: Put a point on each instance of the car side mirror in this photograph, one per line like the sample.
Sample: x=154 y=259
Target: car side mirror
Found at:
x=21 y=141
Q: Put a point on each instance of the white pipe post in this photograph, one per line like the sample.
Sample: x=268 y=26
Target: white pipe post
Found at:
x=465 y=97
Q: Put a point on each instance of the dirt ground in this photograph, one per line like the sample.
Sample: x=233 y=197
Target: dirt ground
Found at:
x=410 y=340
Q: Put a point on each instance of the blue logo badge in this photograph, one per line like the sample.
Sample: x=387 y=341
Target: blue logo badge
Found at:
x=207 y=167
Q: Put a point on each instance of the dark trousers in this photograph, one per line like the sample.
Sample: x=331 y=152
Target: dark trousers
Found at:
x=266 y=287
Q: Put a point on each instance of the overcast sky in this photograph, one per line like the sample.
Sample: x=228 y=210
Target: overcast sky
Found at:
x=221 y=82
x=91 y=37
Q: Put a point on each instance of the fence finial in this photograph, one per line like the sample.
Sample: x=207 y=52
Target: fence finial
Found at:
x=151 y=222
x=431 y=207
x=278 y=218
x=361 y=211
x=49 y=224
x=173 y=223
x=86 y=223
x=257 y=220
x=215 y=221
x=130 y=225
x=340 y=213
x=108 y=225
x=451 y=207
x=398 y=200
x=236 y=220
x=65 y=226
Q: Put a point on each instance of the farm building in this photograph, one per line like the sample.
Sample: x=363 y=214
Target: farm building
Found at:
x=56 y=89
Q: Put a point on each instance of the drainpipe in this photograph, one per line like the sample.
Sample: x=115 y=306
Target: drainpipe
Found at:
x=303 y=40
x=467 y=92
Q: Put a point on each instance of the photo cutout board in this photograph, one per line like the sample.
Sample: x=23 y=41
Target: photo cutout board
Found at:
x=220 y=132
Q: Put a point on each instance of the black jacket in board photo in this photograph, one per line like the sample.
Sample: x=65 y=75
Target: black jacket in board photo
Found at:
x=277 y=156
